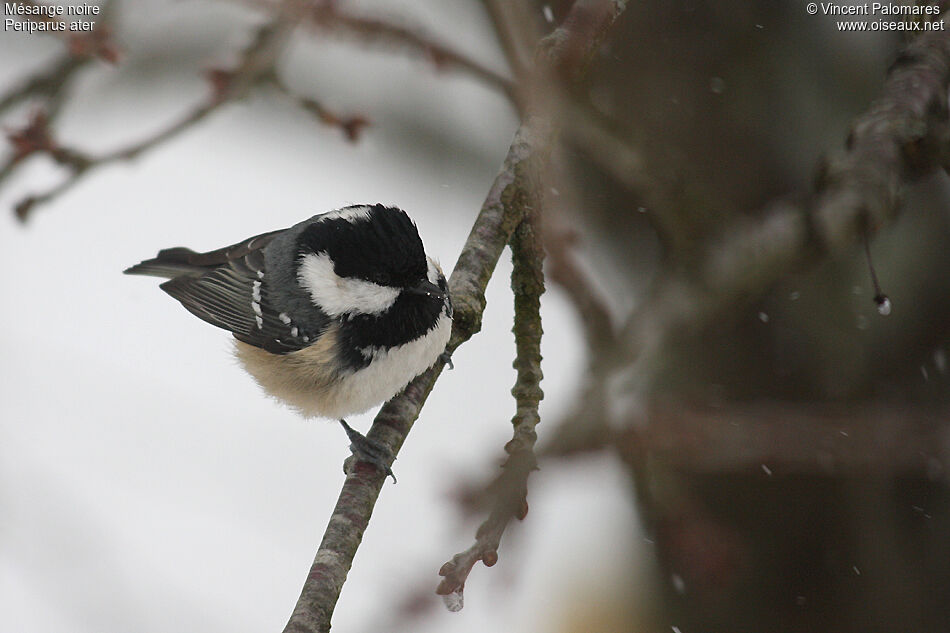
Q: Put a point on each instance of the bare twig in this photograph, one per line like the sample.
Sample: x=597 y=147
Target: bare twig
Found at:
x=510 y=488
x=332 y=19
x=255 y=66
x=584 y=427
x=565 y=270
x=47 y=83
x=50 y=87
x=514 y=33
x=493 y=228
x=377 y=31
x=606 y=145
x=351 y=125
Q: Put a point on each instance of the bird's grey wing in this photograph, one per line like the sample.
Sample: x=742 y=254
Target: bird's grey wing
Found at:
x=229 y=288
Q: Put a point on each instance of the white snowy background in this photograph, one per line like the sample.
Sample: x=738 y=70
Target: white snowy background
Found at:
x=146 y=484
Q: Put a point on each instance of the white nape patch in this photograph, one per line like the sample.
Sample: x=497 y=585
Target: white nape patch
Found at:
x=434 y=272
x=350 y=214
x=337 y=295
x=260 y=274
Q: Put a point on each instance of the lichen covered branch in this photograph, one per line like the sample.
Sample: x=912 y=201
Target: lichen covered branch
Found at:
x=509 y=490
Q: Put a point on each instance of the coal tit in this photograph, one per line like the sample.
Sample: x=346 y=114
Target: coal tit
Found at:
x=332 y=316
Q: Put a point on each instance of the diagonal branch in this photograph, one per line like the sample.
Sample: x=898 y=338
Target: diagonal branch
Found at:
x=565 y=270
x=497 y=220
x=50 y=83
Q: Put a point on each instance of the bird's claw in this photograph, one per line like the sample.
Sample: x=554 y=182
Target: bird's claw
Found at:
x=369 y=451
x=446 y=358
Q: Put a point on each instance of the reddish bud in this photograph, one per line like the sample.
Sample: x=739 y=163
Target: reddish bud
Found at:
x=35 y=137
x=353 y=127
x=220 y=80
x=22 y=208
x=438 y=57
x=97 y=43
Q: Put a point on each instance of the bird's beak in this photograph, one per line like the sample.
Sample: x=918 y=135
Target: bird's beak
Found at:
x=428 y=289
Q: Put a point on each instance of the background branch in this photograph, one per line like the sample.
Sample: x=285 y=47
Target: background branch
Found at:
x=786 y=438
x=903 y=135
x=330 y=18
x=255 y=66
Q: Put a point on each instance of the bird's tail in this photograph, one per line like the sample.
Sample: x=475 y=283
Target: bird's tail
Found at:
x=170 y=263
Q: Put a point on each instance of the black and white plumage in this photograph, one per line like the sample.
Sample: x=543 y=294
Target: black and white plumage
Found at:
x=333 y=315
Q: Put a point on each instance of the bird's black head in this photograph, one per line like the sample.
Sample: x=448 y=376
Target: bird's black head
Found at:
x=365 y=266
x=372 y=243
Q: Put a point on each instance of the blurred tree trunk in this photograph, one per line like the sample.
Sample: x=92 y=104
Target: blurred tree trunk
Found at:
x=782 y=527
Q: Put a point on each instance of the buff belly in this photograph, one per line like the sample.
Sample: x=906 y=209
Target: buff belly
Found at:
x=309 y=379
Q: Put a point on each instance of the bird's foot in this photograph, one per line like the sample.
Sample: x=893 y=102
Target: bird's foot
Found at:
x=446 y=358
x=369 y=451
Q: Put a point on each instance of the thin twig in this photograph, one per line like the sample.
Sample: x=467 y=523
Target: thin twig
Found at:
x=510 y=489
x=332 y=19
x=515 y=38
x=49 y=87
x=351 y=125
x=255 y=65
x=607 y=145
x=45 y=83
x=565 y=270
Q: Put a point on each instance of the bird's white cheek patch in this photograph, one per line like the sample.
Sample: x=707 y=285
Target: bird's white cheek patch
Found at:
x=337 y=295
